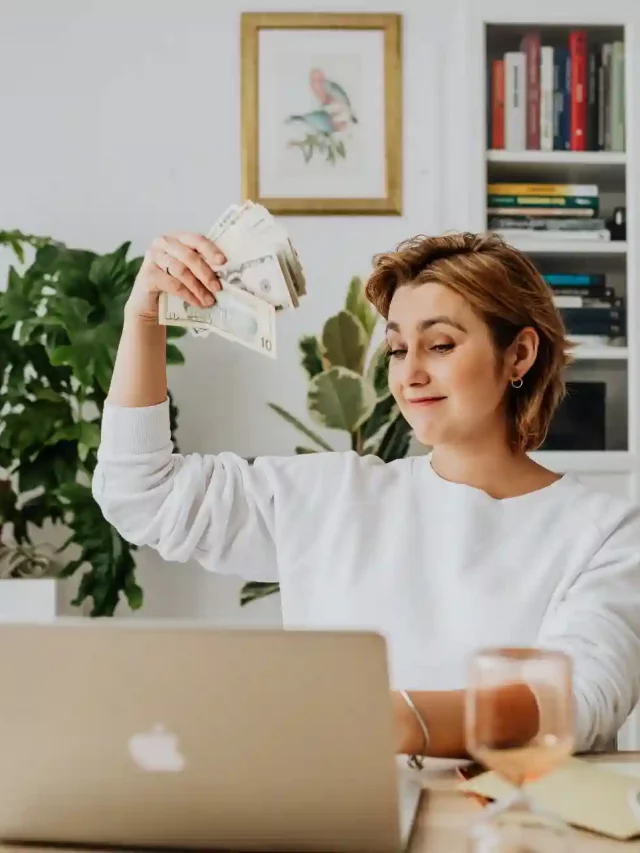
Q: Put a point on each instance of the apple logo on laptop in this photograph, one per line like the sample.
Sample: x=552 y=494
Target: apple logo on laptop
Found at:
x=157 y=750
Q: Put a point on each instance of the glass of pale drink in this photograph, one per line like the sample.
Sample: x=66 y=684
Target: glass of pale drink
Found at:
x=519 y=724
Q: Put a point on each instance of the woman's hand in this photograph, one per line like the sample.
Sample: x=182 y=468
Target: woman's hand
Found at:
x=180 y=263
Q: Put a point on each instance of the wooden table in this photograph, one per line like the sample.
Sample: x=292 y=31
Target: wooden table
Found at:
x=443 y=818
x=445 y=814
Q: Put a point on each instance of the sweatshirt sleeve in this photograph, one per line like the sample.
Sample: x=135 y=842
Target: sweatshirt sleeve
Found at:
x=217 y=509
x=598 y=624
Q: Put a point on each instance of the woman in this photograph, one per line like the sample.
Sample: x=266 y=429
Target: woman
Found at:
x=474 y=545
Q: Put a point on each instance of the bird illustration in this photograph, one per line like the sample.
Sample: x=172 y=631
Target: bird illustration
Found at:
x=318 y=121
x=329 y=92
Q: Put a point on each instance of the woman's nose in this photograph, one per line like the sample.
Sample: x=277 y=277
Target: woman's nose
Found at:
x=415 y=372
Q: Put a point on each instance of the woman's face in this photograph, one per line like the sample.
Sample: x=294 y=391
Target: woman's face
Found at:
x=443 y=370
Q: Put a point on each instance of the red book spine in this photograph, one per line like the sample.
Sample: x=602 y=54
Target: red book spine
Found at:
x=497 y=104
x=530 y=45
x=578 y=53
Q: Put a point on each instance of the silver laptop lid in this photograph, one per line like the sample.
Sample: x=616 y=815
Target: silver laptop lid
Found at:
x=126 y=733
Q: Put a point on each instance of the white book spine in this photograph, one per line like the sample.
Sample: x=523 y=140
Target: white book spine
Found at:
x=515 y=98
x=546 y=99
x=617 y=97
x=568 y=301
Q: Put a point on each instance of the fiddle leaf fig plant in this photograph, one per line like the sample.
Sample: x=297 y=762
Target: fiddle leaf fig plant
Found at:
x=348 y=391
x=60 y=323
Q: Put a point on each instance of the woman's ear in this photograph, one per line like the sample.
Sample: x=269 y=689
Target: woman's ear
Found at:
x=523 y=352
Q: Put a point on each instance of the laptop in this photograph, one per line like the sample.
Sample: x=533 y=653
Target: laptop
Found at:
x=172 y=735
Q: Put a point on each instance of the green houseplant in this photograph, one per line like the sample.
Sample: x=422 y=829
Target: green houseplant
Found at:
x=348 y=391
x=60 y=323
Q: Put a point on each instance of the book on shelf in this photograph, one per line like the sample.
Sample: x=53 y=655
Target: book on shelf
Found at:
x=563 y=300
x=579 y=205
x=566 y=225
x=599 y=341
x=525 y=188
x=557 y=211
x=554 y=236
x=565 y=96
x=515 y=115
x=587 y=283
x=589 y=308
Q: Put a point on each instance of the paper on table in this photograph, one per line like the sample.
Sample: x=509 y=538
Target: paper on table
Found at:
x=586 y=794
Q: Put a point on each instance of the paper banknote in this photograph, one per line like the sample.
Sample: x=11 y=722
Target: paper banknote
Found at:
x=236 y=315
x=249 y=230
x=261 y=264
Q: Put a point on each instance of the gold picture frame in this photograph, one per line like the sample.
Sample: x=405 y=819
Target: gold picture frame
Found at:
x=388 y=148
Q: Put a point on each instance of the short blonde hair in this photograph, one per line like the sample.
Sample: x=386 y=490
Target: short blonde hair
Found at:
x=504 y=288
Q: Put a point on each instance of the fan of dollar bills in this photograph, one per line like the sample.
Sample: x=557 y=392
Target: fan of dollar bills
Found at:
x=262 y=275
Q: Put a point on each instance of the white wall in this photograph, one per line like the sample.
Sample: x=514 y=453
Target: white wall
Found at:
x=120 y=121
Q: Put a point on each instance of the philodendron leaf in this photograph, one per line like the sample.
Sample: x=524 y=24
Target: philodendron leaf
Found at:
x=358 y=305
x=396 y=440
x=378 y=369
x=374 y=427
x=311 y=355
x=340 y=399
x=345 y=341
x=300 y=426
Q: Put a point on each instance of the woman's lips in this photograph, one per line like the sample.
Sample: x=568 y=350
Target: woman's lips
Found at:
x=425 y=401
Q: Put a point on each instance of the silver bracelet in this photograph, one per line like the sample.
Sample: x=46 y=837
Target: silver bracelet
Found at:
x=416 y=762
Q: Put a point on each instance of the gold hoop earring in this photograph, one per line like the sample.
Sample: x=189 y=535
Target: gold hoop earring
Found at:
x=517 y=382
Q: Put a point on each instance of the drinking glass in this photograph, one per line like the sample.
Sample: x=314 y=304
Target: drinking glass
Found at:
x=502 y=734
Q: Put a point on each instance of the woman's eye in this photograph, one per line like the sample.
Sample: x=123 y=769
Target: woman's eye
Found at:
x=442 y=347
x=397 y=353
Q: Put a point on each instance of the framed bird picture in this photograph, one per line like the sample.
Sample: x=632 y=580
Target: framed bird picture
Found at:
x=322 y=112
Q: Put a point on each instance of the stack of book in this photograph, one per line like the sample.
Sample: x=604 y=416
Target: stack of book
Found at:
x=562 y=211
x=592 y=313
x=558 y=97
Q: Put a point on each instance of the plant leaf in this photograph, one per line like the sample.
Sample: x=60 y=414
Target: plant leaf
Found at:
x=111 y=271
x=374 y=427
x=134 y=595
x=316 y=439
x=254 y=590
x=89 y=434
x=396 y=440
x=311 y=355
x=344 y=341
x=378 y=369
x=358 y=305
x=340 y=399
x=70 y=568
x=174 y=355
x=175 y=331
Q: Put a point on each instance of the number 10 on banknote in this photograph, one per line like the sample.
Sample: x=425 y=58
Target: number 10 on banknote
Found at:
x=236 y=315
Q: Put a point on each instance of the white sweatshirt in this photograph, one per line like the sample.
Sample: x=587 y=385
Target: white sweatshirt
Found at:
x=437 y=568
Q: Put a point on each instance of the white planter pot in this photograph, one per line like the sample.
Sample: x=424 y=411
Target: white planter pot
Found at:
x=29 y=599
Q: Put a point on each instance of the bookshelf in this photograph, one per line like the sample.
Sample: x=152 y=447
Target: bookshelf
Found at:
x=601 y=353
x=610 y=360
x=492 y=28
x=555 y=151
